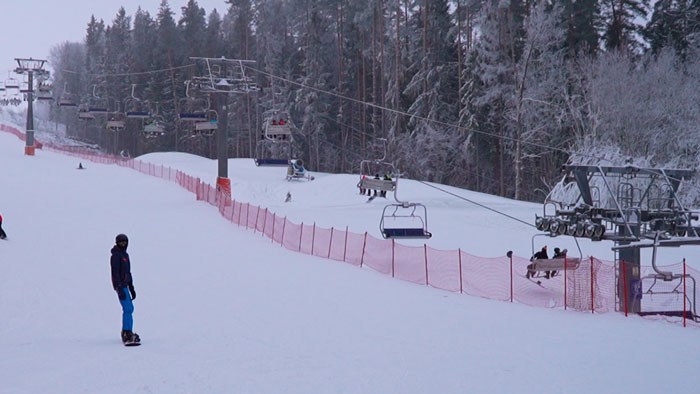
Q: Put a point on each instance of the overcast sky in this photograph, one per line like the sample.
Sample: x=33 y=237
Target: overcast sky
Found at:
x=29 y=28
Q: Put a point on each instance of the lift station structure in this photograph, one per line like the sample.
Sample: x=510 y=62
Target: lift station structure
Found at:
x=635 y=208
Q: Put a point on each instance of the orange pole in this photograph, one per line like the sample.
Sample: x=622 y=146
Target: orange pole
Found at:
x=511 y=278
x=425 y=249
x=684 y=293
x=330 y=243
x=461 y=289
x=624 y=284
x=564 y=282
x=592 y=295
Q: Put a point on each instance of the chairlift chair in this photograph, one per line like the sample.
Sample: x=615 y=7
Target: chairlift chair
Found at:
x=277 y=126
x=66 y=99
x=154 y=129
x=116 y=122
x=271 y=153
x=538 y=267
x=368 y=178
x=66 y=102
x=138 y=114
x=11 y=83
x=404 y=220
x=84 y=113
x=209 y=125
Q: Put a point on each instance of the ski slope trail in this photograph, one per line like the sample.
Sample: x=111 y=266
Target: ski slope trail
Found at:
x=223 y=310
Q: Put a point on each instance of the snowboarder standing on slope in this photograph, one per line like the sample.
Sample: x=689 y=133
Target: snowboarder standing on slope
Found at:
x=2 y=232
x=124 y=286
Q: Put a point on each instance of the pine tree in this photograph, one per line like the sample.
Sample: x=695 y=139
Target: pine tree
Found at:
x=620 y=22
x=432 y=90
x=673 y=23
x=192 y=28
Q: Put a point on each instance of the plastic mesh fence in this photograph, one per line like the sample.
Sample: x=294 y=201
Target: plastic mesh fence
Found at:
x=589 y=287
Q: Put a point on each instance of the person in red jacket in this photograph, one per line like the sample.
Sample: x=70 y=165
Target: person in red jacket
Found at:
x=2 y=232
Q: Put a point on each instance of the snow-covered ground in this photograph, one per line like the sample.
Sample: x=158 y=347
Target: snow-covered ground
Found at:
x=222 y=310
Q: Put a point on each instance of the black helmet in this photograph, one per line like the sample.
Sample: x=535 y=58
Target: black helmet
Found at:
x=556 y=250
x=121 y=237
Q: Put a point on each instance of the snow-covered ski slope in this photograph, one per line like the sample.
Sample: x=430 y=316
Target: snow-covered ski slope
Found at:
x=222 y=310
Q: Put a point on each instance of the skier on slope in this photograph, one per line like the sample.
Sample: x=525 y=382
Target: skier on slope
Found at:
x=2 y=232
x=123 y=284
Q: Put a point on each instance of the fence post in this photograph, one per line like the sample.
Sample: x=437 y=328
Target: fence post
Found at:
x=564 y=282
x=461 y=289
x=313 y=239
x=255 y=226
x=592 y=288
x=264 y=222
x=624 y=284
x=274 y=219
x=511 y=277
x=284 y=225
x=393 y=243
x=684 y=293
x=364 y=244
x=301 y=233
x=425 y=249
x=345 y=248
x=329 y=244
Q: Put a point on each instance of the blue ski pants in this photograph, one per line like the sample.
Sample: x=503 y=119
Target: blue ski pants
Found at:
x=127 y=311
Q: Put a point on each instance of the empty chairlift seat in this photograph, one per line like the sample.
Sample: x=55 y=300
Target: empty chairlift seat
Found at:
x=404 y=221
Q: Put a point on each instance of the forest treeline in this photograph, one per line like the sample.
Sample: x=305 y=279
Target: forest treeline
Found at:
x=490 y=95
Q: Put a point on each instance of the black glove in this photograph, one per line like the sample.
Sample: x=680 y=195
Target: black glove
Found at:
x=121 y=294
x=132 y=291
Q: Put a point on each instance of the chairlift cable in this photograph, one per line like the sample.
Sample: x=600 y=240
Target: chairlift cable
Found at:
x=128 y=74
x=395 y=111
x=476 y=203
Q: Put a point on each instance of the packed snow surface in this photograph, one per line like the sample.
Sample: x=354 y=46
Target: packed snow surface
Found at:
x=221 y=309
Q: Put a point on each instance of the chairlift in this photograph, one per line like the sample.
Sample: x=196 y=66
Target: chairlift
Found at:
x=96 y=108
x=44 y=92
x=66 y=102
x=404 y=220
x=116 y=121
x=66 y=99
x=84 y=113
x=135 y=112
x=539 y=267
x=11 y=83
x=269 y=153
x=155 y=128
x=209 y=125
x=277 y=126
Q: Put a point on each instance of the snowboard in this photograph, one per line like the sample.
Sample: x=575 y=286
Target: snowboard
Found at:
x=537 y=282
x=134 y=341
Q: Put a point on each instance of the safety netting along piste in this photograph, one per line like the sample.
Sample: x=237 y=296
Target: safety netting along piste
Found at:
x=587 y=284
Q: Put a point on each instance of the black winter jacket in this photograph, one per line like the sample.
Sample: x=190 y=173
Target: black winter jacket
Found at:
x=541 y=255
x=121 y=268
